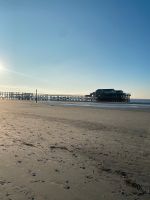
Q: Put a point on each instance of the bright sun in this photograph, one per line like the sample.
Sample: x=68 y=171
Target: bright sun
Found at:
x=2 y=67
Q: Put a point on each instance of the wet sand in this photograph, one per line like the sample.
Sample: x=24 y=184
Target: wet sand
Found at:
x=73 y=153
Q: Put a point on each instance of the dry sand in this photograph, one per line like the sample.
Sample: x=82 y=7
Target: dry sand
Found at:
x=73 y=153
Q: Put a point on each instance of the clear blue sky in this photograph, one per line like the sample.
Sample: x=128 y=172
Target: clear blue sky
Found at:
x=75 y=46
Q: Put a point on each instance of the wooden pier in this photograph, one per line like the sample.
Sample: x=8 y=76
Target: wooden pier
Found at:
x=44 y=97
x=100 y=95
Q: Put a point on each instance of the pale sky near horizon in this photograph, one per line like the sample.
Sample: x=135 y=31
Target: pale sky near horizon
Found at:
x=75 y=46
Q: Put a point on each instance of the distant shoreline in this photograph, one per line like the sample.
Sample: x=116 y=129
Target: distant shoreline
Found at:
x=103 y=105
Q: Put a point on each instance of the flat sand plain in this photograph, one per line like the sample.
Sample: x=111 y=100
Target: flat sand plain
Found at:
x=73 y=153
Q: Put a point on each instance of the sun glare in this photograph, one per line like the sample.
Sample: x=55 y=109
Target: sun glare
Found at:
x=2 y=67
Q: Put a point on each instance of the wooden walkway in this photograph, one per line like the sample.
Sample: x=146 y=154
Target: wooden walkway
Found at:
x=44 y=97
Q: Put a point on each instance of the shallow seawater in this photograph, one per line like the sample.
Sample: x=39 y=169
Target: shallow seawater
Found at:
x=133 y=105
x=140 y=101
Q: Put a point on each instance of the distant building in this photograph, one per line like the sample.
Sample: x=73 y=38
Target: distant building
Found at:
x=110 y=95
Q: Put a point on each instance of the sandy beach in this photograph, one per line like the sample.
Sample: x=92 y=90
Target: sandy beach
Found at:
x=52 y=152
